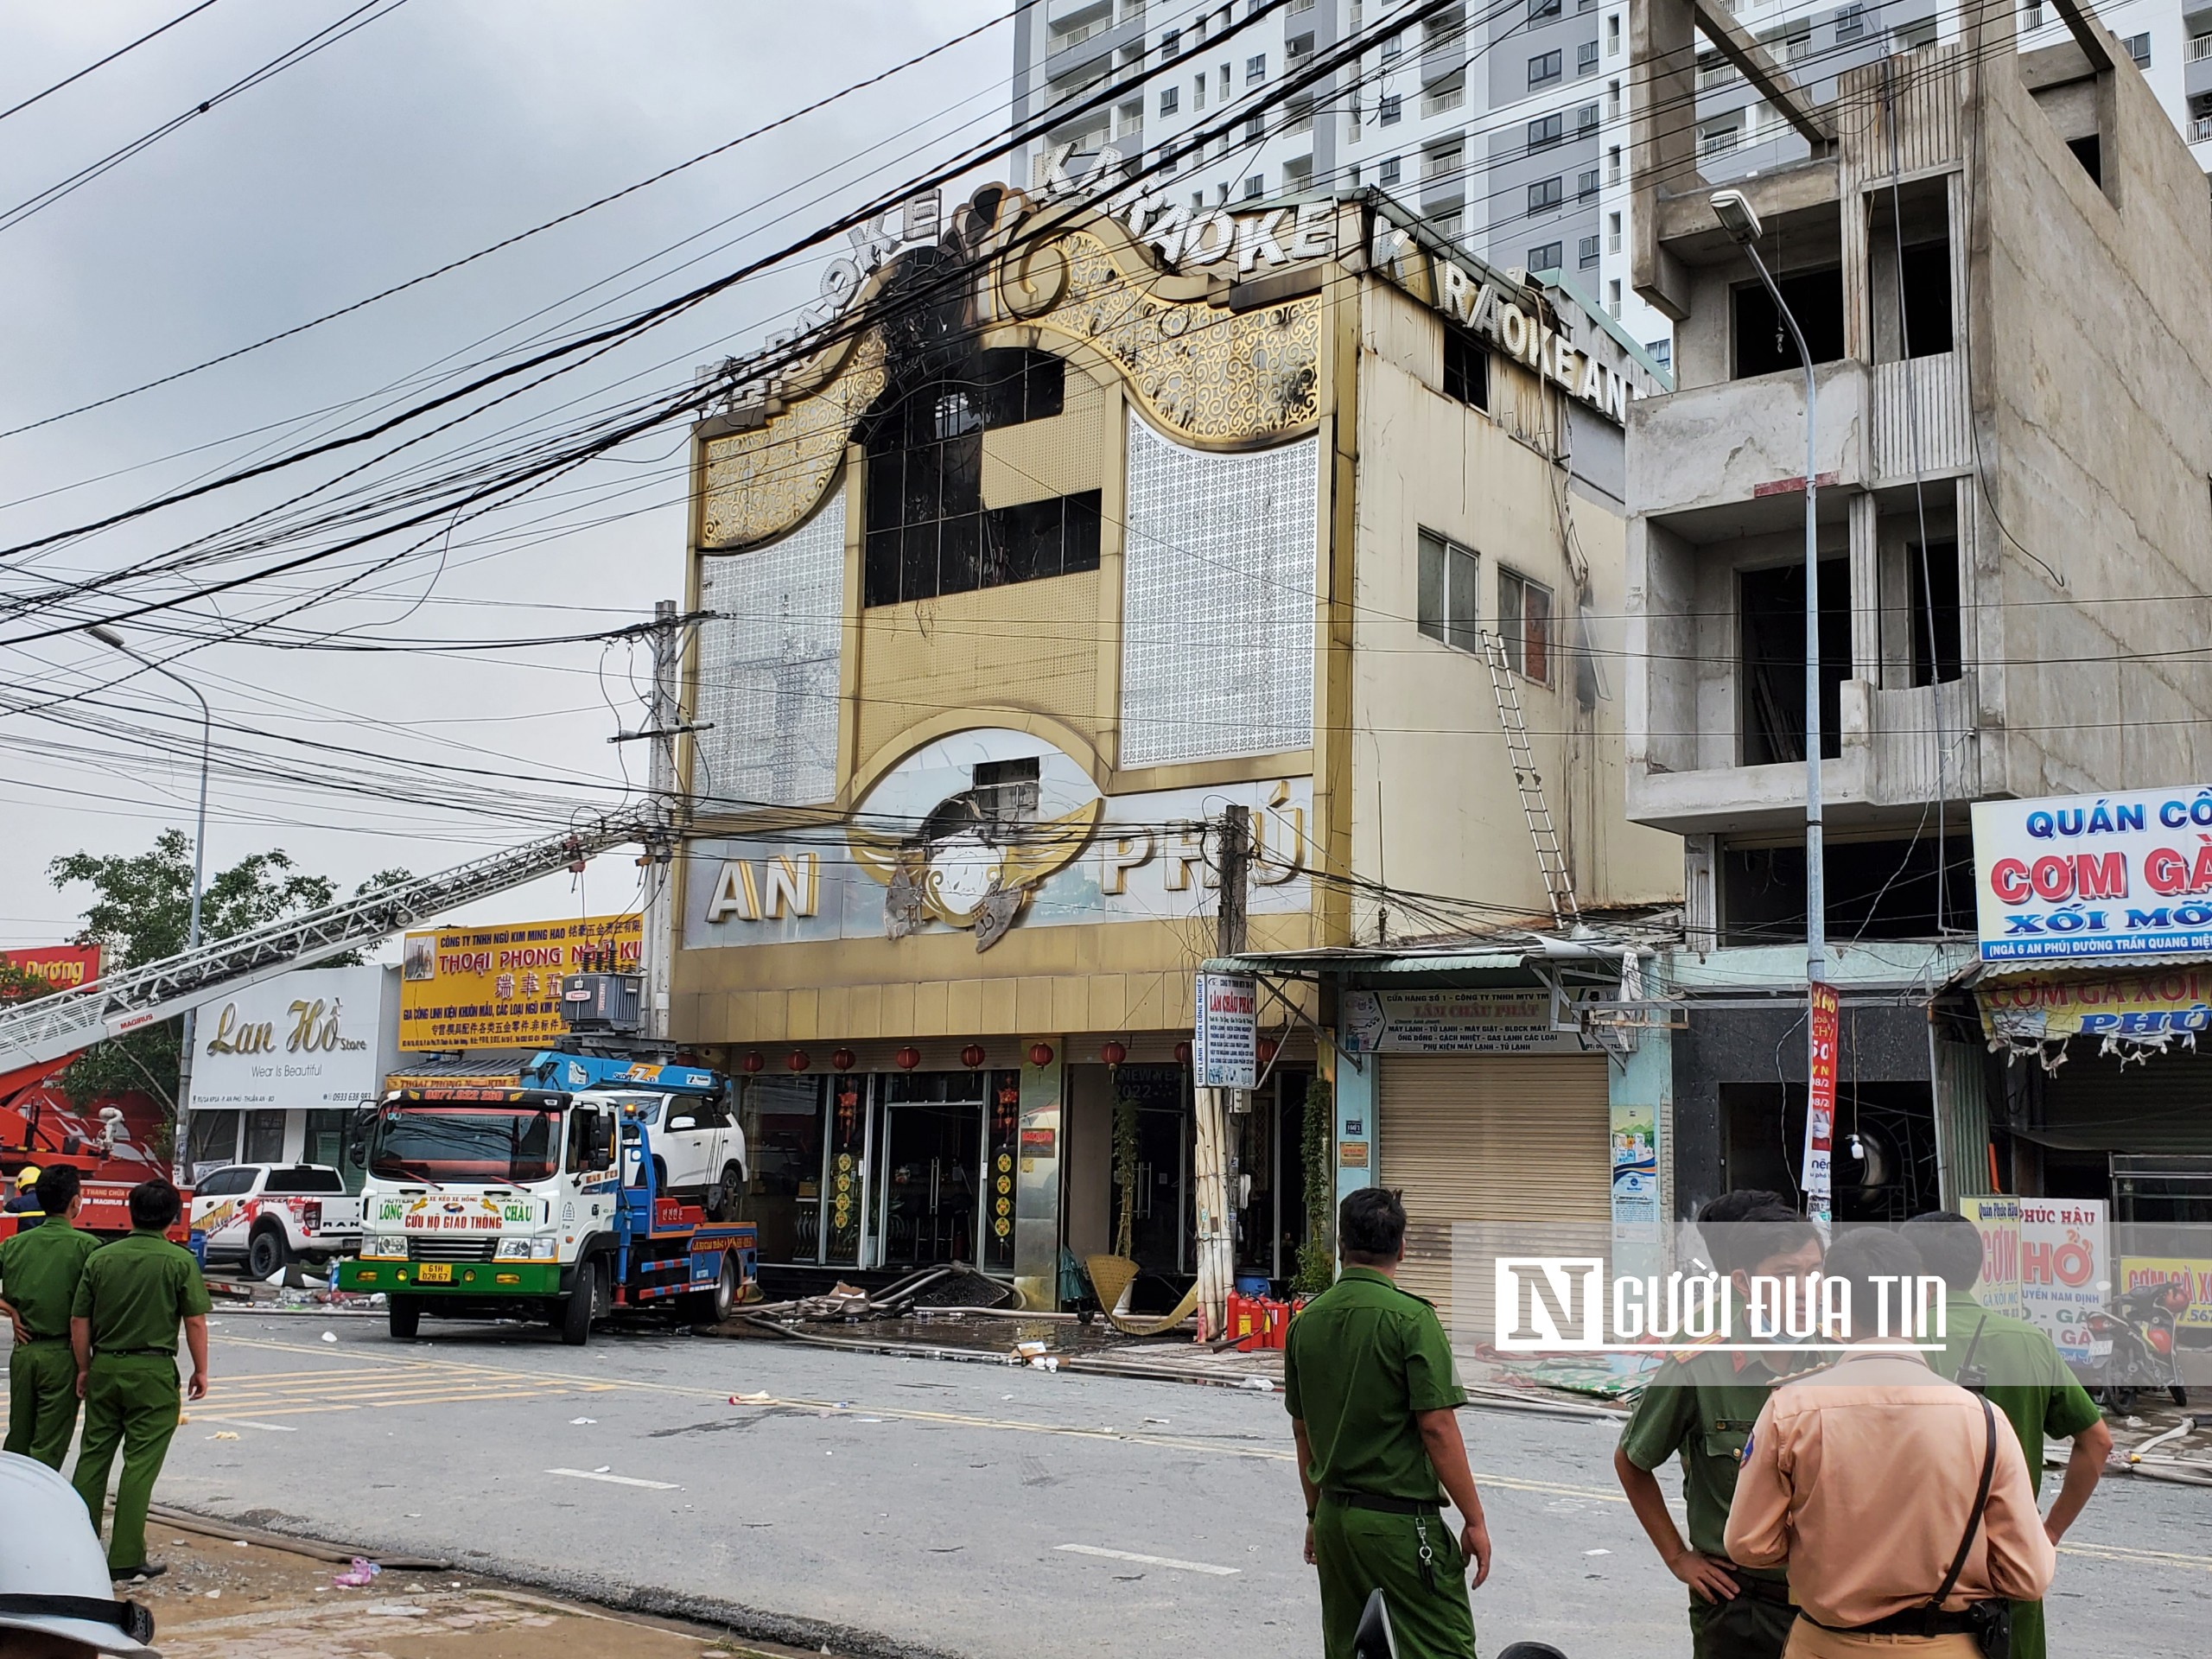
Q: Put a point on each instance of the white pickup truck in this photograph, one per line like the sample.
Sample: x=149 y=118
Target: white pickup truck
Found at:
x=269 y=1215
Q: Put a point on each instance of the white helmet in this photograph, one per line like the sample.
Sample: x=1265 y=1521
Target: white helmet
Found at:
x=53 y=1576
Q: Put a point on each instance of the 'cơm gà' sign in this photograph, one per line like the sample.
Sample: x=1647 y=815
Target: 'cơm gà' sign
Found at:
x=2086 y=876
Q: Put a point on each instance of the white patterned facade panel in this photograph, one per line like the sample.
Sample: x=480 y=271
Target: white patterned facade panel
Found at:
x=768 y=669
x=1221 y=556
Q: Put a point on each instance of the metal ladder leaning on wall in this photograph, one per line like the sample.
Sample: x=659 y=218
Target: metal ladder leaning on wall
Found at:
x=1551 y=859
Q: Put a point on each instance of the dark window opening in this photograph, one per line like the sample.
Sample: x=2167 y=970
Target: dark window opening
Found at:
x=1772 y=607
x=1466 y=368
x=1876 y=890
x=1927 y=275
x=928 y=531
x=1763 y=344
x=2090 y=153
x=1006 y=793
x=1934 y=612
x=1884 y=1164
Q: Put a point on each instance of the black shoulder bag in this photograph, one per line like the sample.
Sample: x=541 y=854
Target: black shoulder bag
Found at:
x=1990 y=1621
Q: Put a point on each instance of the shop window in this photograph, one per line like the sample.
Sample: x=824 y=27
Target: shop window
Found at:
x=1524 y=623
x=264 y=1137
x=1935 y=654
x=213 y=1139
x=928 y=531
x=1763 y=341
x=1772 y=672
x=1449 y=608
x=1466 y=368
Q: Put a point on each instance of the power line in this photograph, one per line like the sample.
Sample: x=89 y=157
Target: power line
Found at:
x=71 y=80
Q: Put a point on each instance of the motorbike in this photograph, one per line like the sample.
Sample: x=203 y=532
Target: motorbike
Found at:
x=2133 y=1347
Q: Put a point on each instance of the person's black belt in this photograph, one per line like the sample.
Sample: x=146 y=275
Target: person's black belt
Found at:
x=38 y=1336
x=1385 y=1505
x=1913 y=1621
x=134 y=1353
x=1774 y=1590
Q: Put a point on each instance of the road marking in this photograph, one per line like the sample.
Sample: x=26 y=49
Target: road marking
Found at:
x=1151 y=1561
x=248 y=1422
x=617 y=1480
x=456 y=1373
x=2120 y=1553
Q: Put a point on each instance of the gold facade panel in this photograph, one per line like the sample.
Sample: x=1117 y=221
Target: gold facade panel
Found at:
x=761 y=483
x=1063 y=456
x=1210 y=376
x=1032 y=645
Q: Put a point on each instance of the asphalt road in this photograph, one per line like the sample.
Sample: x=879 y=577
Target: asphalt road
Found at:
x=908 y=1506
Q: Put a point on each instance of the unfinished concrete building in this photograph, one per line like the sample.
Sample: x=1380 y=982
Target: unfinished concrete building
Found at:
x=1998 y=259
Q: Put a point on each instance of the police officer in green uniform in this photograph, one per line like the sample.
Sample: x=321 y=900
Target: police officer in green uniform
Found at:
x=39 y=1270
x=2019 y=1367
x=1369 y=1379
x=1700 y=1405
x=123 y=1328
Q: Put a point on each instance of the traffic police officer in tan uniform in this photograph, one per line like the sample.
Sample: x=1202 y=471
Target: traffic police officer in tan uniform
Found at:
x=1700 y=1405
x=1369 y=1379
x=39 y=1270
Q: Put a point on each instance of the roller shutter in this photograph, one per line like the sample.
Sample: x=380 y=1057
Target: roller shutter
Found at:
x=1520 y=1144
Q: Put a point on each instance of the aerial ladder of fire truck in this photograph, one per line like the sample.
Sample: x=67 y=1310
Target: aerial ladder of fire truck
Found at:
x=38 y=1038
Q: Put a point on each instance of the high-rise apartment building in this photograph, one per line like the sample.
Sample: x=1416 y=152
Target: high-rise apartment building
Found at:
x=1504 y=125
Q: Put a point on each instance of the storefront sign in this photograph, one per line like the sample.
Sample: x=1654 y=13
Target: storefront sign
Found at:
x=2065 y=1269
x=317 y=1037
x=65 y=967
x=1998 y=1221
x=2193 y=1271
x=1452 y=1022
x=2094 y=876
x=990 y=862
x=1226 y=1032
x=500 y=987
x=2139 y=1005
x=1820 y=1101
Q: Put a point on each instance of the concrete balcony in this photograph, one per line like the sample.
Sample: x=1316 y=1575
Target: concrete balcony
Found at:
x=1920 y=412
x=1740 y=441
x=1894 y=745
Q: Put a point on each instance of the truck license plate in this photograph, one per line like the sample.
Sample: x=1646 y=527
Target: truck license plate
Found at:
x=433 y=1273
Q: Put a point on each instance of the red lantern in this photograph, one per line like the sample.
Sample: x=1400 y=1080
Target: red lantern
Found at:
x=1182 y=1053
x=1114 y=1053
x=796 y=1060
x=907 y=1058
x=1266 y=1050
x=841 y=1060
x=1040 y=1053
x=753 y=1061
x=972 y=1056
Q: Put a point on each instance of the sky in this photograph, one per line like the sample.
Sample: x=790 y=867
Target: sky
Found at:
x=434 y=130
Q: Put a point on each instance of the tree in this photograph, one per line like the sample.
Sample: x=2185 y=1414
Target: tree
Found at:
x=142 y=912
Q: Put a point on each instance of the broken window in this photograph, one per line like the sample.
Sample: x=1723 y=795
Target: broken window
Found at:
x=1935 y=645
x=1771 y=606
x=1524 y=622
x=1004 y=794
x=928 y=531
x=1876 y=889
x=1466 y=368
x=1763 y=341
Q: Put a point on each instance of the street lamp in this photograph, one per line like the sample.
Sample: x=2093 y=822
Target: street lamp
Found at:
x=114 y=641
x=1741 y=221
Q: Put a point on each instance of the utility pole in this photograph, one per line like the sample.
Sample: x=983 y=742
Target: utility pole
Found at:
x=667 y=809
x=1214 y=1161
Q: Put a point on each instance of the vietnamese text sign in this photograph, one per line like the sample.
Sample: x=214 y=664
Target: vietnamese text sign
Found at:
x=316 y=1037
x=65 y=967
x=1514 y=1021
x=2139 y=1004
x=2094 y=876
x=1998 y=1220
x=2194 y=1271
x=1819 y=1099
x=2063 y=1265
x=500 y=987
x=1225 y=1054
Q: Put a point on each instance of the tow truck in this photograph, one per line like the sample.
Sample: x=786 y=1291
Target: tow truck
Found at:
x=493 y=1203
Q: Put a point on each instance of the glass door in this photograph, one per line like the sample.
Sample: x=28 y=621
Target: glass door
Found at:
x=932 y=1169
